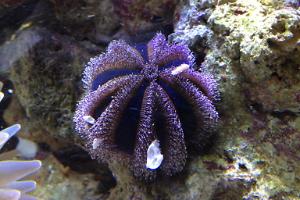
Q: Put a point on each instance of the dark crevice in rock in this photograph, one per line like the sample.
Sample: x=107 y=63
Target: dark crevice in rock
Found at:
x=11 y=18
x=232 y=190
x=80 y=161
x=284 y=114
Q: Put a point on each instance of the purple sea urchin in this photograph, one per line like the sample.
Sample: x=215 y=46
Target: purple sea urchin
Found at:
x=147 y=106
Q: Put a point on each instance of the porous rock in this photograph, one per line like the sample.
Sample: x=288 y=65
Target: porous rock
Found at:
x=45 y=68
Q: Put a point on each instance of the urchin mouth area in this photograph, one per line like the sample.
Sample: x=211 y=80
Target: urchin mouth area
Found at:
x=150 y=72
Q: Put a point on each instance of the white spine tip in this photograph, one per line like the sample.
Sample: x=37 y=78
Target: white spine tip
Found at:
x=180 y=69
x=96 y=143
x=89 y=119
x=154 y=157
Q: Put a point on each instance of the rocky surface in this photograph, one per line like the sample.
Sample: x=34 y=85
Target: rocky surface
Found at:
x=59 y=182
x=90 y=20
x=46 y=78
x=251 y=47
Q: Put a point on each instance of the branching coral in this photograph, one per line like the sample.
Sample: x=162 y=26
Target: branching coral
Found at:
x=11 y=187
x=147 y=106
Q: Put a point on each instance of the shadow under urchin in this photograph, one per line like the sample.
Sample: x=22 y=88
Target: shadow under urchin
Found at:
x=135 y=95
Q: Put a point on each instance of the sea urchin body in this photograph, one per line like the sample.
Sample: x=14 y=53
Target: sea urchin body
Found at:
x=147 y=106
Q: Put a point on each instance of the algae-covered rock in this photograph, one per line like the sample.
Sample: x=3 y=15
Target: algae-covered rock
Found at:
x=93 y=20
x=252 y=47
x=268 y=51
x=143 y=16
x=58 y=182
x=46 y=72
